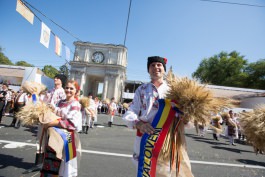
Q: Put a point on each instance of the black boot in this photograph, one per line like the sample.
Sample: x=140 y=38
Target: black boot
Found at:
x=110 y=124
x=18 y=124
x=87 y=129
x=13 y=122
x=214 y=136
x=83 y=129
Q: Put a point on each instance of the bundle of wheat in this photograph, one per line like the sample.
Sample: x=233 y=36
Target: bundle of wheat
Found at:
x=107 y=101
x=216 y=126
x=35 y=111
x=125 y=105
x=84 y=101
x=33 y=87
x=194 y=100
x=197 y=103
x=253 y=126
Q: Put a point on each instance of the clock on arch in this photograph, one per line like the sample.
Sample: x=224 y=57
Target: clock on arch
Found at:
x=98 y=57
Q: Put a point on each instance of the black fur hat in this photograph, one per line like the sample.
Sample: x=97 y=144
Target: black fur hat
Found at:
x=62 y=77
x=156 y=59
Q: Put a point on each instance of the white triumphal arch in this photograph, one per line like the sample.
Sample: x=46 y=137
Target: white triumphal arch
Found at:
x=96 y=63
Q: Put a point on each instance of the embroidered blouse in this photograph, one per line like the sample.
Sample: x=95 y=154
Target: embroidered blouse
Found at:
x=70 y=114
x=145 y=105
x=54 y=96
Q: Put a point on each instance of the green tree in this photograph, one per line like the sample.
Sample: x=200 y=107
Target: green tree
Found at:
x=64 y=70
x=50 y=71
x=3 y=59
x=222 y=69
x=256 y=75
x=23 y=63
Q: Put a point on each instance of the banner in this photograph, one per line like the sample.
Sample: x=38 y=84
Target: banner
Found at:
x=25 y=11
x=151 y=145
x=67 y=53
x=45 y=35
x=58 y=46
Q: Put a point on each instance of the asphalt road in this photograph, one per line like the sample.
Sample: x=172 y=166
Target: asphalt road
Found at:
x=107 y=152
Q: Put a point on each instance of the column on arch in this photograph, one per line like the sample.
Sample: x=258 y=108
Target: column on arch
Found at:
x=105 y=87
x=83 y=83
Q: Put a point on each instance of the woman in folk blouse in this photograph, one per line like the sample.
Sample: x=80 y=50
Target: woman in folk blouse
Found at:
x=70 y=116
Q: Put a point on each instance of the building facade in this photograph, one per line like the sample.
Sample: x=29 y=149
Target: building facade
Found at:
x=96 y=63
x=15 y=76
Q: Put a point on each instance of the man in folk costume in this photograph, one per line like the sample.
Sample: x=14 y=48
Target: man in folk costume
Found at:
x=57 y=93
x=21 y=100
x=151 y=115
x=54 y=96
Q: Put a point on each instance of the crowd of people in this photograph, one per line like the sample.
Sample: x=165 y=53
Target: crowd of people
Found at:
x=225 y=125
x=73 y=118
x=11 y=102
x=76 y=114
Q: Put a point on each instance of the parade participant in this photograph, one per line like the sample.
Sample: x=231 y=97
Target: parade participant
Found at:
x=159 y=111
x=9 y=100
x=57 y=93
x=196 y=126
x=112 y=110
x=231 y=128
x=88 y=112
x=3 y=94
x=125 y=107
x=119 y=108
x=97 y=103
x=99 y=106
x=67 y=126
x=202 y=128
x=241 y=135
x=144 y=106
x=252 y=124
x=216 y=123
x=92 y=109
x=21 y=100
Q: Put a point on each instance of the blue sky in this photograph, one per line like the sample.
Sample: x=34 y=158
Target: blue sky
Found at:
x=184 y=31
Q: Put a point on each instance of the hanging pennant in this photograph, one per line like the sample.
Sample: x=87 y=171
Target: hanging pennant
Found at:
x=67 y=53
x=45 y=35
x=58 y=46
x=25 y=11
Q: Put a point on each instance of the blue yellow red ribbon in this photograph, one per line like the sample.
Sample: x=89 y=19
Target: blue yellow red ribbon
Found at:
x=151 y=145
x=69 y=143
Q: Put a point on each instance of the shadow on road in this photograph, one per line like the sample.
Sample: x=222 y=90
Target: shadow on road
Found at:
x=204 y=140
x=251 y=162
x=196 y=137
x=119 y=125
x=33 y=130
x=7 y=160
x=231 y=149
x=106 y=125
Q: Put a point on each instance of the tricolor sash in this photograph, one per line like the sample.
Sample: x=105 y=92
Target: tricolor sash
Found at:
x=151 y=145
x=69 y=143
